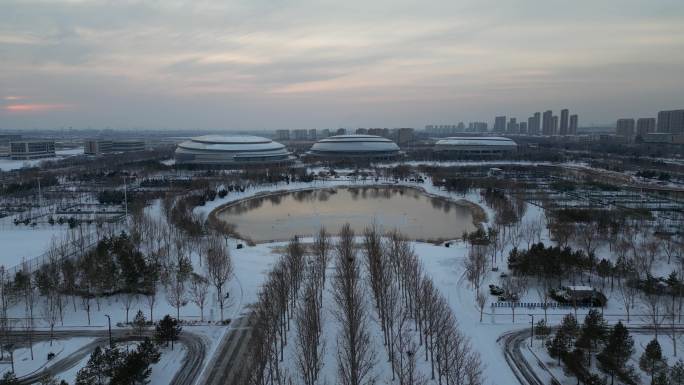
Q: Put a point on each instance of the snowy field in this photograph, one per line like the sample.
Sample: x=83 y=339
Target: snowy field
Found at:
x=252 y=263
x=7 y=164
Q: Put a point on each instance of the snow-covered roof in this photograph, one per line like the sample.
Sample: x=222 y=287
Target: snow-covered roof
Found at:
x=232 y=143
x=354 y=144
x=580 y=288
x=476 y=141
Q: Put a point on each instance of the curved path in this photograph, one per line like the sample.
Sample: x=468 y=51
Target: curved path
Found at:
x=186 y=374
x=523 y=370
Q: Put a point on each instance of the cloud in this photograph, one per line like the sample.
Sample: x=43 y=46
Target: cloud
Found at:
x=388 y=60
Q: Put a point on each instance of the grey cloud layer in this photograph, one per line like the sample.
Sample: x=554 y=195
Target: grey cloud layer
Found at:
x=270 y=64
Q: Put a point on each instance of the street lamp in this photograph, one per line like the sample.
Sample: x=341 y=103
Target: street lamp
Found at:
x=109 y=322
x=532 y=329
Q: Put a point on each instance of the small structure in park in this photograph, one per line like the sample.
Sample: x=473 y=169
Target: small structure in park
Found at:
x=579 y=295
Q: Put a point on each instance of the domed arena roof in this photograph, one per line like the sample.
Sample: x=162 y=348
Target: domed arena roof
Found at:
x=355 y=145
x=219 y=149
x=476 y=145
x=476 y=141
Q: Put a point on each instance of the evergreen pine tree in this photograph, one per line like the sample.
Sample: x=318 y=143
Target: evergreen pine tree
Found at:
x=168 y=329
x=652 y=361
x=9 y=379
x=619 y=348
x=677 y=373
x=593 y=330
x=139 y=322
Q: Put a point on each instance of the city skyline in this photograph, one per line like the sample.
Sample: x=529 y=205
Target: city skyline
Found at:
x=263 y=66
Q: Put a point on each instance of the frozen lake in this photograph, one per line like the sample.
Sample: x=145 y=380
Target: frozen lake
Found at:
x=282 y=216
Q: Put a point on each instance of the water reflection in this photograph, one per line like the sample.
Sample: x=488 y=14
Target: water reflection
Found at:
x=281 y=216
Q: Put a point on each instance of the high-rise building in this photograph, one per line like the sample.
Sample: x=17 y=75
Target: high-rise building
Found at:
x=547 y=123
x=522 y=127
x=564 y=121
x=537 y=124
x=283 y=135
x=312 y=134
x=512 y=127
x=645 y=126
x=554 y=125
x=404 y=136
x=671 y=122
x=625 y=129
x=572 y=129
x=530 y=126
x=300 y=134
x=477 y=127
x=460 y=127
x=500 y=124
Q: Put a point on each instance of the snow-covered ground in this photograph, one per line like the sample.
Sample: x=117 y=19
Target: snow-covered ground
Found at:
x=7 y=164
x=252 y=264
x=23 y=365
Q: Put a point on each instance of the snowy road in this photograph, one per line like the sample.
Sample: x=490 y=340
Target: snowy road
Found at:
x=186 y=374
x=524 y=371
x=224 y=369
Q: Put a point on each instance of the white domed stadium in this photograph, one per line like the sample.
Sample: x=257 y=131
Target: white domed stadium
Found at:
x=359 y=146
x=476 y=145
x=231 y=150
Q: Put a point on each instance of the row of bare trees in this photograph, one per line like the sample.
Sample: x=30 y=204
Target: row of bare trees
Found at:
x=414 y=315
x=270 y=320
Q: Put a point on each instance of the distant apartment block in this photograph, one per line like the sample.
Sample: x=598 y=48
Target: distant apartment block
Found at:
x=477 y=127
x=671 y=122
x=572 y=127
x=547 y=123
x=283 y=135
x=500 y=124
x=312 y=134
x=625 y=129
x=554 y=125
x=31 y=149
x=405 y=136
x=535 y=127
x=522 y=127
x=300 y=134
x=645 y=126
x=512 y=127
x=564 y=126
x=108 y=146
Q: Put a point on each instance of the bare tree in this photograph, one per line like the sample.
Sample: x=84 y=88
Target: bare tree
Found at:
x=354 y=349
x=309 y=346
x=219 y=267
x=515 y=287
x=199 y=289
x=481 y=299
x=176 y=290
x=127 y=300
x=476 y=266
x=653 y=302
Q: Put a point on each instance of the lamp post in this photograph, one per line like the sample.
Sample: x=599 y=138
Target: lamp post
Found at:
x=109 y=322
x=532 y=329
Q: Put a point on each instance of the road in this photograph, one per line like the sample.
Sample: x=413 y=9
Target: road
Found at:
x=224 y=368
x=524 y=371
x=186 y=374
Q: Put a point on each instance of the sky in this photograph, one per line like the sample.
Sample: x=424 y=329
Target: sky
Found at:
x=273 y=64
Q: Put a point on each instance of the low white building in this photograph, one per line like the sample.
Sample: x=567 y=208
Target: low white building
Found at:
x=476 y=145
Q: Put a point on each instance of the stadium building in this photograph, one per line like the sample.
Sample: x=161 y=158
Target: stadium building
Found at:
x=475 y=146
x=231 y=150
x=356 y=146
